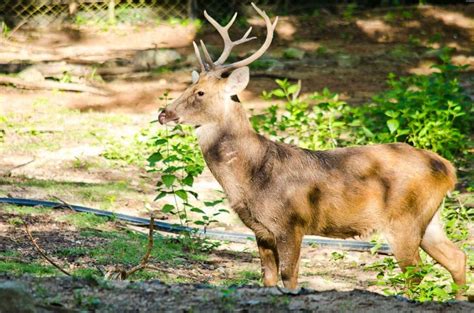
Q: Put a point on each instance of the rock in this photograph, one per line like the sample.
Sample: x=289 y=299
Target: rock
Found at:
x=293 y=54
x=15 y=298
x=31 y=75
x=155 y=58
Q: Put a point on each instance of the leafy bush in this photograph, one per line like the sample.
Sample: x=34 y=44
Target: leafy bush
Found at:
x=430 y=112
x=318 y=122
x=434 y=281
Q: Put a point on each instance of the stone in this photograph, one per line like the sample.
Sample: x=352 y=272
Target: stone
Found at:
x=15 y=298
x=31 y=75
x=155 y=58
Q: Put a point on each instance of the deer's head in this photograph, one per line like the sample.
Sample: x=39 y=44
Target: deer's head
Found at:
x=207 y=99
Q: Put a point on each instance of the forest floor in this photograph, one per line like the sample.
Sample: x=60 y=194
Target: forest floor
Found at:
x=91 y=149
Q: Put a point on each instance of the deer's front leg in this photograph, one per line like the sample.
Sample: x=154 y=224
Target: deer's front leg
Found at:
x=289 y=246
x=269 y=260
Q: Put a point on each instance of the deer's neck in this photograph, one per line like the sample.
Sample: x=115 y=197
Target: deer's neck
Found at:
x=230 y=147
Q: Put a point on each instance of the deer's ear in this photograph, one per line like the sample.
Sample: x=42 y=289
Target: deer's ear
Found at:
x=194 y=77
x=237 y=80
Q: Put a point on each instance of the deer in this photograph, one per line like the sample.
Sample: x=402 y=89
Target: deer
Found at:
x=283 y=192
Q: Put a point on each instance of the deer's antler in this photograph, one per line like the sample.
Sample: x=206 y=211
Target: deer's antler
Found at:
x=218 y=66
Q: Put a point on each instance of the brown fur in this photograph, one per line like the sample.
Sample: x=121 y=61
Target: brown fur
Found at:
x=283 y=192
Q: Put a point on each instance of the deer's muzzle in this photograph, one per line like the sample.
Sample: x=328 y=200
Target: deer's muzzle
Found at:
x=166 y=116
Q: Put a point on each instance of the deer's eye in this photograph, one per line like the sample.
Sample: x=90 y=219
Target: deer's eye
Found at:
x=200 y=93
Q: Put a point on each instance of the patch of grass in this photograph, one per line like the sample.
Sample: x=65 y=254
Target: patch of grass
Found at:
x=25 y=210
x=84 y=220
x=36 y=269
x=102 y=195
x=244 y=277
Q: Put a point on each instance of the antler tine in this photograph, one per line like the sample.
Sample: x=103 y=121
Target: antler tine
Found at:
x=224 y=32
x=198 y=56
x=207 y=57
x=263 y=48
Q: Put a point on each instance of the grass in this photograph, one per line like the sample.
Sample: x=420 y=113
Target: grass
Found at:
x=100 y=195
x=123 y=248
x=24 y=210
x=244 y=277
x=83 y=220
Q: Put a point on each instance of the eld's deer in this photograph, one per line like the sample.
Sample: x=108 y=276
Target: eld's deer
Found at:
x=282 y=192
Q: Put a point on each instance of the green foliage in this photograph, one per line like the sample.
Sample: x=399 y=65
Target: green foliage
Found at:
x=456 y=217
x=434 y=281
x=4 y=29
x=318 y=122
x=430 y=112
x=129 y=149
x=178 y=159
x=84 y=220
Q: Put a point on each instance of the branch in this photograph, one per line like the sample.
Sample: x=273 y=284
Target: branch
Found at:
x=146 y=257
x=40 y=251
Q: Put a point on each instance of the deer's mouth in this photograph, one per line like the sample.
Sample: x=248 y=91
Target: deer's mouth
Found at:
x=167 y=116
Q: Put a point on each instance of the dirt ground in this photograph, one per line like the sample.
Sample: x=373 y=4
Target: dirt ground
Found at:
x=153 y=296
x=350 y=56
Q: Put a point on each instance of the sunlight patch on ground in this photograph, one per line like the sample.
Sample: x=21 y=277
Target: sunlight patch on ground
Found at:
x=449 y=17
x=376 y=29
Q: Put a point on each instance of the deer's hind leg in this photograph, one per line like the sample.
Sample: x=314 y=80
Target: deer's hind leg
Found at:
x=442 y=250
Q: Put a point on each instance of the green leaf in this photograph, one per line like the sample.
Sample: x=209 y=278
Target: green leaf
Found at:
x=279 y=93
x=393 y=125
x=198 y=210
x=167 y=208
x=160 y=141
x=293 y=89
x=182 y=194
x=188 y=180
x=160 y=195
x=155 y=157
x=168 y=180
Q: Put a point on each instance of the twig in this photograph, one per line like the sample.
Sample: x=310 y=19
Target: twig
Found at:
x=173 y=272
x=67 y=205
x=40 y=251
x=146 y=257
x=9 y=172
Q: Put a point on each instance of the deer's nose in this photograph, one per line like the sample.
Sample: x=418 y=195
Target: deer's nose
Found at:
x=166 y=116
x=162 y=117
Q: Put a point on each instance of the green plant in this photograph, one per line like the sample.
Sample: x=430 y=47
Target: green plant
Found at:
x=456 y=217
x=178 y=159
x=337 y=256
x=321 y=121
x=430 y=112
x=349 y=11
x=4 y=29
x=425 y=282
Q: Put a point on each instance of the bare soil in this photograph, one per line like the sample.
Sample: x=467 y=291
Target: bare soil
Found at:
x=62 y=294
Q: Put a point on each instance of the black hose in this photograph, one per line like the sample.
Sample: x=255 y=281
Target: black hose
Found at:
x=354 y=245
